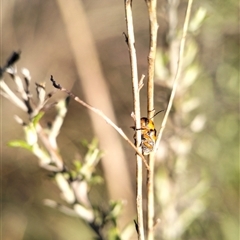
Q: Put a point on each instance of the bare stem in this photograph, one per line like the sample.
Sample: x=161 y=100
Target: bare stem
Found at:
x=136 y=100
x=178 y=71
x=153 y=25
x=55 y=156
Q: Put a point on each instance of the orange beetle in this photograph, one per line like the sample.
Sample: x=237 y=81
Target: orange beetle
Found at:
x=148 y=135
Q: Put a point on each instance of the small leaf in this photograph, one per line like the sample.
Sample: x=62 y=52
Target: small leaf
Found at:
x=77 y=165
x=116 y=208
x=113 y=234
x=26 y=75
x=41 y=92
x=84 y=142
x=20 y=143
x=37 y=118
x=96 y=179
x=198 y=19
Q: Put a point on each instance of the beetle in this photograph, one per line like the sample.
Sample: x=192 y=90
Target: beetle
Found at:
x=148 y=134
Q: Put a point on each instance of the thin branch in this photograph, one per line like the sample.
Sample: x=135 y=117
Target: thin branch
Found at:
x=12 y=96
x=130 y=39
x=153 y=25
x=178 y=72
x=102 y=115
x=55 y=156
x=58 y=121
x=10 y=62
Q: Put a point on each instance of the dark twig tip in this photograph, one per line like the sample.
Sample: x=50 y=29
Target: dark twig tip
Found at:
x=58 y=86
x=13 y=58
x=136 y=226
x=126 y=37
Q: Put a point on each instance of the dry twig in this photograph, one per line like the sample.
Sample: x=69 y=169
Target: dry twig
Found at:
x=130 y=39
x=153 y=25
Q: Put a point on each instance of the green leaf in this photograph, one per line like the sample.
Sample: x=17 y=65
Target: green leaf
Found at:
x=21 y=144
x=96 y=179
x=77 y=164
x=37 y=118
x=113 y=234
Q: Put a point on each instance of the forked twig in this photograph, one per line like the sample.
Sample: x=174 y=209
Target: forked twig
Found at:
x=130 y=40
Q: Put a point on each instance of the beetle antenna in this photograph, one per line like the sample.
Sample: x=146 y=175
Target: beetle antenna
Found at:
x=157 y=113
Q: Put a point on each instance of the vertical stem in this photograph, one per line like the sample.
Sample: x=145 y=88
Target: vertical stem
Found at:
x=136 y=100
x=153 y=25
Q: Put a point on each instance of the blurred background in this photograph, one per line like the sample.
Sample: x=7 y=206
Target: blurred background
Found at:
x=82 y=46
